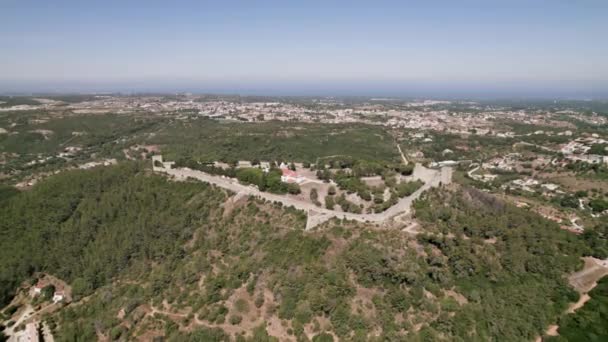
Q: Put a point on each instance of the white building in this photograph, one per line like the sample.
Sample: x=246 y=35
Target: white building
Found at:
x=290 y=176
x=58 y=296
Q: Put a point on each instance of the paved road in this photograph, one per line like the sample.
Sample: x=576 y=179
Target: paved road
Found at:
x=430 y=177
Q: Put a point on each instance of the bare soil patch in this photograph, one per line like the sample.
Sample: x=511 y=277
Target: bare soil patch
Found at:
x=374 y=181
x=586 y=279
x=573 y=184
x=579 y=304
x=462 y=300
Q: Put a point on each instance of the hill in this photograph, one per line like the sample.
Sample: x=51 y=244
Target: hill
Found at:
x=148 y=257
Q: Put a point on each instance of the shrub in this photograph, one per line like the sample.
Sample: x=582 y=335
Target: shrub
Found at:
x=323 y=337
x=235 y=319
x=329 y=202
x=314 y=197
x=116 y=332
x=241 y=305
x=259 y=301
x=47 y=292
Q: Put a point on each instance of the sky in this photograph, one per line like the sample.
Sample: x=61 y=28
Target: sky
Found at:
x=552 y=48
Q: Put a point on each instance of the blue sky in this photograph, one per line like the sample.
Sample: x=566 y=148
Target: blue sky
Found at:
x=364 y=46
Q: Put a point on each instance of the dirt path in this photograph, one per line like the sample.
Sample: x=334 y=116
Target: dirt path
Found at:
x=227 y=327
x=583 y=281
x=579 y=304
x=402 y=155
x=46 y=333
x=412 y=228
x=586 y=279
x=552 y=331
x=25 y=315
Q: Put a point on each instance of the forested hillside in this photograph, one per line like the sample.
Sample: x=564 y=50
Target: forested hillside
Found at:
x=209 y=140
x=186 y=261
x=589 y=322
x=88 y=226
